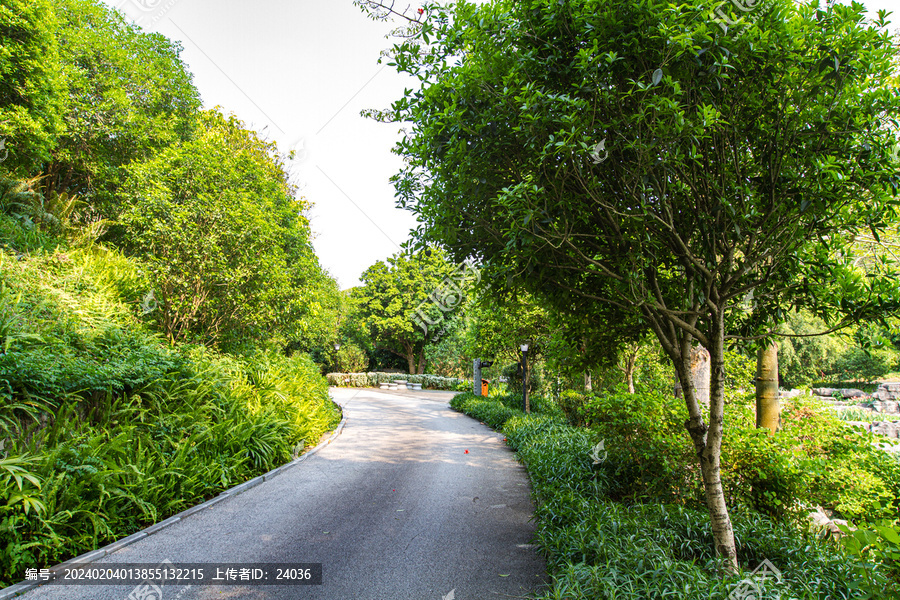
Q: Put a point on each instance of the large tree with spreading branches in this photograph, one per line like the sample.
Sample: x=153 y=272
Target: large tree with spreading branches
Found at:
x=700 y=169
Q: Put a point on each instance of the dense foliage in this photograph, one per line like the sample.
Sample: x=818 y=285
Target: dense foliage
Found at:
x=159 y=294
x=128 y=95
x=625 y=523
x=223 y=237
x=31 y=85
x=107 y=429
x=104 y=127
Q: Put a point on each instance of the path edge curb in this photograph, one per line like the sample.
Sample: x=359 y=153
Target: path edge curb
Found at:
x=18 y=589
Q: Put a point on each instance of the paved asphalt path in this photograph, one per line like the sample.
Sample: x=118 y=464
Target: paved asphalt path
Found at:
x=394 y=509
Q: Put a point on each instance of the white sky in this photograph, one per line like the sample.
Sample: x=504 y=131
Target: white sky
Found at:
x=300 y=72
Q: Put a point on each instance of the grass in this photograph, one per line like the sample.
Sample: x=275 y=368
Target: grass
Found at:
x=857 y=414
x=106 y=429
x=600 y=548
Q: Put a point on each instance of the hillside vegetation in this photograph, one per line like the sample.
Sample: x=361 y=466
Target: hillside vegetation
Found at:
x=159 y=294
x=619 y=506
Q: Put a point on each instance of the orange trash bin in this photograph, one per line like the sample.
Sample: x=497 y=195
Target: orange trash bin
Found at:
x=484 y=387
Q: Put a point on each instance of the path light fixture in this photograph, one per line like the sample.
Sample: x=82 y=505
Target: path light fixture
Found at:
x=525 y=405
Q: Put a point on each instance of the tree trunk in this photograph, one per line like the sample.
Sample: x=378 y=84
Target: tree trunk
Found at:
x=700 y=375
x=768 y=405
x=707 y=439
x=411 y=360
x=588 y=384
x=709 y=442
x=421 y=369
x=628 y=363
x=630 y=366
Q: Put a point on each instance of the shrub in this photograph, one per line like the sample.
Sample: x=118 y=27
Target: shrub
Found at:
x=351 y=358
x=429 y=382
x=513 y=375
x=572 y=405
x=106 y=429
x=600 y=548
x=860 y=365
x=814 y=460
x=650 y=453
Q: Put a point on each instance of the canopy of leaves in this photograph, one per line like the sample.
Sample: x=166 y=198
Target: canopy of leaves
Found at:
x=636 y=155
x=222 y=233
x=408 y=301
x=31 y=88
x=129 y=96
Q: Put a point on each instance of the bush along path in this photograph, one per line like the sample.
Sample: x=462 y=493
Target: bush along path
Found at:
x=106 y=428
x=92 y=477
x=600 y=546
x=412 y=501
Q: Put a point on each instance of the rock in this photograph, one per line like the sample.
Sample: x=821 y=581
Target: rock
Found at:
x=822 y=522
x=843 y=393
x=886 y=428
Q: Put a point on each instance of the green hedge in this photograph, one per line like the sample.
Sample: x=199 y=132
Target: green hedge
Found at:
x=429 y=382
x=599 y=548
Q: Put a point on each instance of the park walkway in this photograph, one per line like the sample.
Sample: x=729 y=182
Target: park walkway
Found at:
x=411 y=501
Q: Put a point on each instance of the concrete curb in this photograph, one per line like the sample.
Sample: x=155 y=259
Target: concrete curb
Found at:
x=25 y=586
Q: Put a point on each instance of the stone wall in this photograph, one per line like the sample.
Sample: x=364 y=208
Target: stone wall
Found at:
x=884 y=400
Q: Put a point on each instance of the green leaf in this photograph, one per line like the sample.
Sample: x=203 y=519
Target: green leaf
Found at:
x=888 y=533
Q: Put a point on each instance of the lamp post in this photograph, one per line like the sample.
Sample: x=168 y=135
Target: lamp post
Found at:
x=337 y=346
x=525 y=405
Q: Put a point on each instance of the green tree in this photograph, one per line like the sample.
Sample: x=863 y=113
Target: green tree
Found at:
x=31 y=88
x=224 y=238
x=642 y=156
x=501 y=323
x=805 y=356
x=408 y=302
x=447 y=355
x=129 y=97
